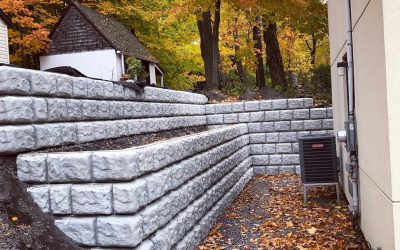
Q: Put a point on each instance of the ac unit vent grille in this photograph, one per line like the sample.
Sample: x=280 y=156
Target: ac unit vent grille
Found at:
x=318 y=159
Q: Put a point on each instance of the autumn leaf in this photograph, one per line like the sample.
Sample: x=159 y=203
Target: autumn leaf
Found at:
x=312 y=230
x=14 y=218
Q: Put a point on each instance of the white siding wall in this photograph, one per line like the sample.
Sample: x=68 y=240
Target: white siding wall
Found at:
x=103 y=64
x=152 y=73
x=4 y=53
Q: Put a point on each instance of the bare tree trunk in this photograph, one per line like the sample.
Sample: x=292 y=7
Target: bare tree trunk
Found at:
x=237 y=59
x=258 y=48
x=209 y=44
x=274 y=57
x=312 y=48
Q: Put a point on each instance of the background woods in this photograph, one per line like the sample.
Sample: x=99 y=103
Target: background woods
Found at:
x=229 y=45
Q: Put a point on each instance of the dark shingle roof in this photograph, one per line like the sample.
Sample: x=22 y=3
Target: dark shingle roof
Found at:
x=4 y=17
x=116 y=34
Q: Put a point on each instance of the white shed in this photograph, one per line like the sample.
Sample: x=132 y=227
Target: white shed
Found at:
x=96 y=45
x=4 y=49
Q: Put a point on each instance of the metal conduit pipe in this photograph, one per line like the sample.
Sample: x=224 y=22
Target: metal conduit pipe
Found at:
x=353 y=172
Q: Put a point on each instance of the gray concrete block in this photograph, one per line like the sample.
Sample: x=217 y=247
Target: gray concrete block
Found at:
x=252 y=106
x=269 y=148
x=283 y=148
x=16 y=109
x=118 y=91
x=215 y=119
x=297 y=169
x=319 y=133
x=119 y=231
x=259 y=170
x=57 y=109
x=329 y=113
x=266 y=105
x=272 y=115
x=258 y=138
x=91 y=199
x=69 y=167
x=255 y=127
x=230 y=118
x=256 y=149
x=64 y=86
x=108 y=89
x=40 y=194
x=288 y=137
x=287 y=170
x=312 y=124
x=40 y=112
x=210 y=109
x=267 y=127
x=301 y=114
x=257 y=116
x=238 y=107
x=60 y=199
x=13 y=81
x=290 y=159
x=223 y=108
x=47 y=135
x=275 y=159
x=80 y=230
x=272 y=170
x=114 y=165
x=297 y=103
x=327 y=124
x=308 y=102
x=42 y=84
x=296 y=125
x=16 y=138
x=260 y=160
x=74 y=109
x=79 y=87
x=318 y=113
x=280 y=104
x=244 y=117
x=32 y=168
x=95 y=89
x=68 y=133
x=303 y=133
x=295 y=147
x=272 y=137
x=129 y=197
x=117 y=110
x=146 y=245
x=286 y=115
x=282 y=126
x=157 y=183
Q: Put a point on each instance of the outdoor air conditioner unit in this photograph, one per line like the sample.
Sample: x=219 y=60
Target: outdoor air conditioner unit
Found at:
x=318 y=162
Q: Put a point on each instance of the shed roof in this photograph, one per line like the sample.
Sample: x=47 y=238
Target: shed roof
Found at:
x=119 y=37
x=5 y=18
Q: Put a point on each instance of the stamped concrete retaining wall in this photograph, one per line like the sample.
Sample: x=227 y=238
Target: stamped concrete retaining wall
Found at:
x=39 y=109
x=159 y=196
x=274 y=127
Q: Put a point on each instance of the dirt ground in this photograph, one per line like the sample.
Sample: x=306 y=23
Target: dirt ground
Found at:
x=270 y=214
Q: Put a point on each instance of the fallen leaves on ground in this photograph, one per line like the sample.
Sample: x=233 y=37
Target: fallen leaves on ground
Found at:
x=270 y=214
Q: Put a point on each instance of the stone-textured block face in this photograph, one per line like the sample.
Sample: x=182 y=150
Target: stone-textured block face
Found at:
x=243 y=117
x=129 y=197
x=32 y=168
x=256 y=149
x=230 y=118
x=296 y=103
x=119 y=231
x=69 y=167
x=257 y=116
x=60 y=199
x=255 y=127
x=40 y=194
x=275 y=159
x=301 y=114
x=280 y=104
x=210 y=109
x=16 y=109
x=80 y=230
x=223 y=108
x=269 y=149
x=288 y=137
x=272 y=116
x=313 y=125
x=252 y=106
x=286 y=115
x=57 y=109
x=259 y=170
x=318 y=113
x=267 y=127
x=91 y=199
x=290 y=159
x=15 y=139
x=265 y=105
x=238 y=107
x=272 y=137
x=215 y=119
x=329 y=113
x=272 y=170
x=297 y=125
x=283 y=148
x=286 y=170
x=327 y=124
x=260 y=160
x=308 y=103
x=258 y=138
x=282 y=126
